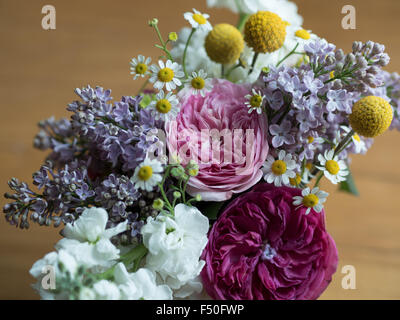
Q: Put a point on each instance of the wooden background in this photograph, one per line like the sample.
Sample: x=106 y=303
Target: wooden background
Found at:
x=93 y=44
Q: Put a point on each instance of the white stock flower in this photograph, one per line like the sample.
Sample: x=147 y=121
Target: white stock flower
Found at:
x=140 y=285
x=87 y=294
x=106 y=290
x=91 y=226
x=54 y=260
x=88 y=240
x=175 y=246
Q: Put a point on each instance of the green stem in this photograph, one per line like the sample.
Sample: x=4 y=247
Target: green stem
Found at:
x=143 y=86
x=233 y=68
x=185 y=51
x=134 y=256
x=184 y=191
x=344 y=143
x=242 y=21
x=321 y=174
x=164 y=44
x=253 y=63
x=288 y=55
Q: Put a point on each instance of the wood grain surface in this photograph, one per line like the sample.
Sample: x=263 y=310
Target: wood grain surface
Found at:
x=93 y=44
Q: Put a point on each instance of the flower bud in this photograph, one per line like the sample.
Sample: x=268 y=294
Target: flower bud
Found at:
x=357 y=46
x=158 y=204
x=339 y=55
x=173 y=36
x=153 y=22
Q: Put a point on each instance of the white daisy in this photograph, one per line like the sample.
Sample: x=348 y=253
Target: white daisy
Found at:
x=279 y=171
x=360 y=146
x=165 y=106
x=313 y=199
x=167 y=74
x=199 y=83
x=255 y=101
x=147 y=175
x=198 y=20
x=140 y=66
x=334 y=169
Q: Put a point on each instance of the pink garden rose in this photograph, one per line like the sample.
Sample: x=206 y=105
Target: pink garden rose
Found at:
x=264 y=248
x=230 y=161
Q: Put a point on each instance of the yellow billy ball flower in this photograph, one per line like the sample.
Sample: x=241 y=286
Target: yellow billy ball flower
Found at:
x=371 y=116
x=224 y=44
x=265 y=32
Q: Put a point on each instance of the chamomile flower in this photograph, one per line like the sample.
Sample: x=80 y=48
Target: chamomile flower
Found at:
x=359 y=145
x=255 y=101
x=199 y=83
x=311 y=199
x=334 y=169
x=307 y=175
x=165 y=106
x=147 y=175
x=198 y=20
x=167 y=74
x=279 y=171
x=140 y=66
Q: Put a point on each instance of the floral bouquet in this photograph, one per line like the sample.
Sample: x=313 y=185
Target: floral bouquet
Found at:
x=206 y=183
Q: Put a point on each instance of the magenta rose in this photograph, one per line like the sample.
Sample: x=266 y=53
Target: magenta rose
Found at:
x=264 y=248
x=216 y=131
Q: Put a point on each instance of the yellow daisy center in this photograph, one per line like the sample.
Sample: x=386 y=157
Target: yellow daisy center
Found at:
x=193 y=172
x=255 y=101
x=332 y=166
x=163 y=106
x=199 y=18
x=310 y=139
x=224 y=44
x=166 y=75
x=304 y=34
x=295 y=181
x=198 y=83
x=265 y=32
x=278 y=167
x=141 y=68
x=310 y=200
x=357 y=137
x=371 y=116
x=309 y=166
x=332 y=74
x=145 y=173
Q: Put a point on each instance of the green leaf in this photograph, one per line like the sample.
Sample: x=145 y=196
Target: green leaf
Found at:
x=146 y=100
x=349 y=185
x=210 y=208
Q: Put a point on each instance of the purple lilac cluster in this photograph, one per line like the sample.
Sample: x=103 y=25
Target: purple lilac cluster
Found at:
x=392 y=86
x=92 y=157
x=308 y=106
